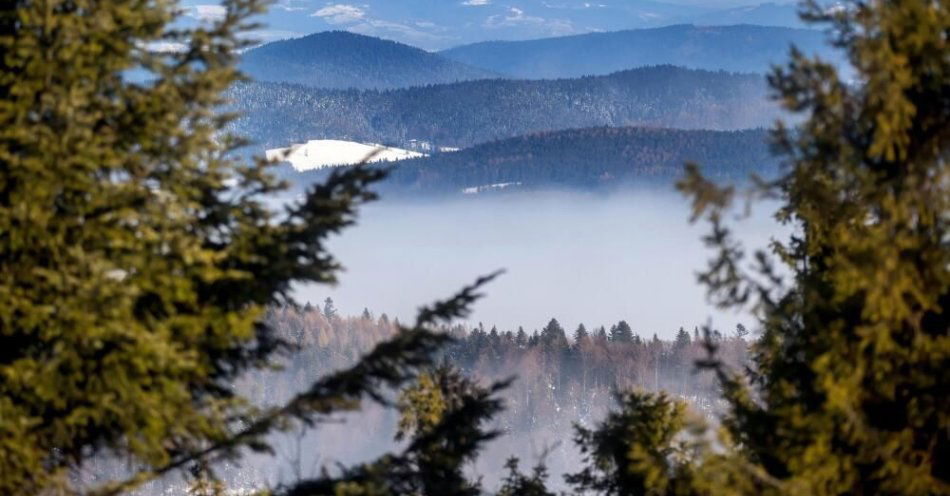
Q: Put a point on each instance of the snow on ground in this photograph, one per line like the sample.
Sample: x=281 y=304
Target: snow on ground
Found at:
x=316 y=154
x=474 y=190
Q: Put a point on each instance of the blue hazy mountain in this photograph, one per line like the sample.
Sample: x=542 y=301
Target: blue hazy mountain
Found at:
x=440 y=24
x=467 y=113
x=765 y=14
x=743 y=48
x=593 y=158
x=340 y=59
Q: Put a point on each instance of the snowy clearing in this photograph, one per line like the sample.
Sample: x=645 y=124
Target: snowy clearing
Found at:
x=317 y=154
x=474 y=190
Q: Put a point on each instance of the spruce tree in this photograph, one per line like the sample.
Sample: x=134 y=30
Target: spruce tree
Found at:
x=137 y=257
x=580 y=334
x=553 y=334
x=621 y=332
x=493 y=337
x=636 y=449
x=329 y=309
x=682 y=340
x=851 y=370
x=848 y=390
x=443 y=421
x=521 y=338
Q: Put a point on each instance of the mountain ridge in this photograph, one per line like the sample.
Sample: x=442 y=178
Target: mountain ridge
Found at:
x=343 y=60
x=467 y=113
x=737 y=48
x=586 y=159
x=441 y=24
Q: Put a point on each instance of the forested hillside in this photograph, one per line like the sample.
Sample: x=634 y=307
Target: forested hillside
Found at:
x=578 y=362
x=742 y=48
x=467 y=113
x=584 y=158
x=339 y=59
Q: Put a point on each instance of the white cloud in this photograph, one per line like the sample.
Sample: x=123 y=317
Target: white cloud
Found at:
x=381 y=28
x=359 y=19
x=476 y=3
x=268 y=35
x=340 y=14
x=288 y=5
x=517 y=17
x=208 y=12
x=572 y=6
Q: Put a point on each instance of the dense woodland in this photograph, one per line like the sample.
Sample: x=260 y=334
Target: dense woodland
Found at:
x=595 y=158
x=742 y=48
x=562 y=377
x=467 y=113
x=339 y=59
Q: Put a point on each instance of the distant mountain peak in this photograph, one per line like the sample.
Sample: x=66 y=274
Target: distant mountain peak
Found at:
x=736 y=48
x=322 y=38
x=341 y=59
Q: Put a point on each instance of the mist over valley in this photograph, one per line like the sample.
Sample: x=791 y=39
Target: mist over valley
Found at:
x=578 y=257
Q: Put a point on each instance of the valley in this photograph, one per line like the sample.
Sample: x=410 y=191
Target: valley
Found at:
x=553 y=159
x=474 y=248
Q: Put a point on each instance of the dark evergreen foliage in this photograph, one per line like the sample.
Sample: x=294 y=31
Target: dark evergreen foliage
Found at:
x=682 y=339
x=848 y=392
x=517 y=483
x=438 y=448
x=581 y=334
x=553 y=334
x=635 y=450
x=621 y=332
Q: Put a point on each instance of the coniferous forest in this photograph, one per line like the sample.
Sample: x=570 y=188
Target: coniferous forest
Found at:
x=465 y=113
x=557 y=368
x=585 y=159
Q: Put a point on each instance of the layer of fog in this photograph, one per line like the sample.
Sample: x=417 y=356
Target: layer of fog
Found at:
x=575 y=257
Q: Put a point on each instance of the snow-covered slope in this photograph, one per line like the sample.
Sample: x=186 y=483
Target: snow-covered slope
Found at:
x=316 y=154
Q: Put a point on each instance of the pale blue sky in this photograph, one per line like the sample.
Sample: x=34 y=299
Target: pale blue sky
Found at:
x=440 y=24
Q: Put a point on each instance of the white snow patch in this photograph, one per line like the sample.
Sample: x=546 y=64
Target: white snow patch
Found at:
x=317 y=154
x=474 y=190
